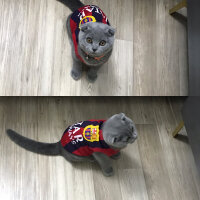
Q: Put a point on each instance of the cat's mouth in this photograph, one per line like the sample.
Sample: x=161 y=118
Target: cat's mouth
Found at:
x=94 y=57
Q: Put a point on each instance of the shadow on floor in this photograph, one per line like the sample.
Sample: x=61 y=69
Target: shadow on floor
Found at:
x=181 y=18
x=182 y=138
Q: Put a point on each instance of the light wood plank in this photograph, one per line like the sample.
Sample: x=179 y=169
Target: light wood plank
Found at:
x=177 y=153
x=131 y=175
x=153 y=163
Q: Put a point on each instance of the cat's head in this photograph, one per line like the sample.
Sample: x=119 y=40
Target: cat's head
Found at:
x=96 y=39
x=119 y=130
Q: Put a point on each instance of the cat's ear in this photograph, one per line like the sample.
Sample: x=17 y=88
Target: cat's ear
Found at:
x=123 y=116
x=84 y=27
x=110 y=32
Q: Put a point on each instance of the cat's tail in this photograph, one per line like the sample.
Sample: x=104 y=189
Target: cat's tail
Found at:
x=72 y=4
x=34 y=146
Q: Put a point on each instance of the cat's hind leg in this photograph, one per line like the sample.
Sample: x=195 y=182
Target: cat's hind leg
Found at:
x=74 y=158
x=116 y=156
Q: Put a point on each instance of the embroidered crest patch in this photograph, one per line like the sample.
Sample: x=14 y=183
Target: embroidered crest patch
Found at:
x=91 y=133
x=87 y=19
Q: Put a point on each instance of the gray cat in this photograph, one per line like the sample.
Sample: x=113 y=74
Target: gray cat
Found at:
x=91 y=38
x=91 y=140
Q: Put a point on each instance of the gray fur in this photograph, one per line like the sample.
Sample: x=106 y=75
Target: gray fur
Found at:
x=118 y=126
x=34 y=146
x=97 y=32
x=105 y=163
x=119 y=130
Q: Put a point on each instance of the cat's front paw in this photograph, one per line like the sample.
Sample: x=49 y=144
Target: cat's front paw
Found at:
x=75 y=74
x=108 y=172
x=92 y=77
x=116 y=156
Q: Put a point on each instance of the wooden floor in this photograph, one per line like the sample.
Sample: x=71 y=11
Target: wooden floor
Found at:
x=149 y=58
x=155 y=167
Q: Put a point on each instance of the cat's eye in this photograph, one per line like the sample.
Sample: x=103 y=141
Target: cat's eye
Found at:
x=89 y=40
x=115 y=140
x=102 y=43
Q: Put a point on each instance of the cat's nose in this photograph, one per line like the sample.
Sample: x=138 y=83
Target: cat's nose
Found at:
x=94 y=49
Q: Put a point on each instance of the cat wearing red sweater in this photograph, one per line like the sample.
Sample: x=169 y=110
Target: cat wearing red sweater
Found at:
x=91 y=140
x=91 y=37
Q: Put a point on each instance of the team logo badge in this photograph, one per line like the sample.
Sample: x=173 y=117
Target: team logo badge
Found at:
x=87 y=19
x=91 y=133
